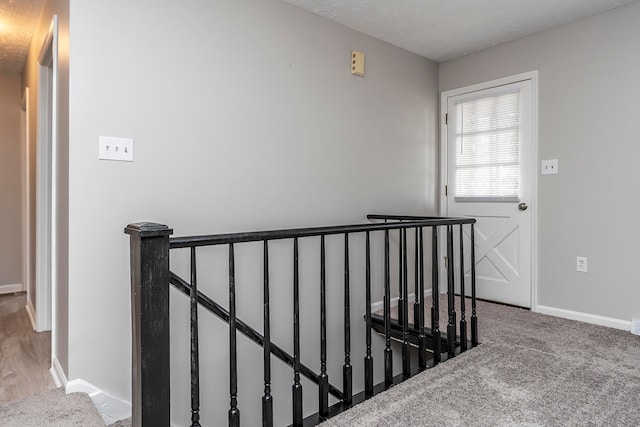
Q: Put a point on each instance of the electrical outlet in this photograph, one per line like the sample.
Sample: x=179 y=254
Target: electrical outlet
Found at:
x=581 y=264
x=549 y=167
x=112 y=148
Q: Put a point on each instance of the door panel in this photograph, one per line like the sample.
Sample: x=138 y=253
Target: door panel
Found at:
x=503 y=230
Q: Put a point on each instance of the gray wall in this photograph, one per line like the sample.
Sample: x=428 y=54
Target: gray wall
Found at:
x=10 y=181
x=245 y=116
x=588 y=76
x=30 y=79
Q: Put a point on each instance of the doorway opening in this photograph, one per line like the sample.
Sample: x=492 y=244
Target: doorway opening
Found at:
x=45 y=187
x=46 y=208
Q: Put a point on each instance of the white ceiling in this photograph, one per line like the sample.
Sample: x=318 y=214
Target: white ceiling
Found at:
x=446 y=29
x=18 y=19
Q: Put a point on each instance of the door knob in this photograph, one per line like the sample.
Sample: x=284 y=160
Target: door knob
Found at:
x=522 y=206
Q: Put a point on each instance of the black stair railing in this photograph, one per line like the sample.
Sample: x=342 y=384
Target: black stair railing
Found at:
x=150 y=244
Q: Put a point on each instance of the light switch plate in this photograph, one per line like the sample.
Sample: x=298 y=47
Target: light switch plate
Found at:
x=112 y=148
x=549 y=167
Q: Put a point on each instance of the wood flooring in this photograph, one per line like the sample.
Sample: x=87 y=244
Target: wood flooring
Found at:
x=25 y=355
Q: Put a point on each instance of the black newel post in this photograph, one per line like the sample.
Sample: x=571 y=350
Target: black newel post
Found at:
x=149 y=254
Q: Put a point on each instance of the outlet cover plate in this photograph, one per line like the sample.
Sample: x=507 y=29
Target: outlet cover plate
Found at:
x=581 y=264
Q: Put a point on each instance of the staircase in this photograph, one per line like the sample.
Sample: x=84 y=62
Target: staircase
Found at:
x=365 y=267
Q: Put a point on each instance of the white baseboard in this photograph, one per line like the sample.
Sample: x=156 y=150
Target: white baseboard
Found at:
x=10 y=289
x=379 y=305
x=111 y=408
x=585 y=317
x=80 y=386
x=32 y=313
x=57 y=373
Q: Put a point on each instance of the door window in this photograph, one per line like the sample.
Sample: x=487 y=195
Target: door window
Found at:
x=487 y=156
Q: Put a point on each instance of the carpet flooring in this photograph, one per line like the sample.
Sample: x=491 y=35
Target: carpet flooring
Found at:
x=530 y=370
x=51 y=408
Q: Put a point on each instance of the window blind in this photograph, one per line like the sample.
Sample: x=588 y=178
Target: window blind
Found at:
x=488 y=148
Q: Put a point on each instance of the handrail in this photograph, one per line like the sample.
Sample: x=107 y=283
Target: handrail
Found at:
x=257 y=236
x=151 y=277
x=412 y=217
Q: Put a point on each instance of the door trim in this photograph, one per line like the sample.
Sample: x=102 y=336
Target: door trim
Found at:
x=46 y=173
x=26 y=194
x=533 y=77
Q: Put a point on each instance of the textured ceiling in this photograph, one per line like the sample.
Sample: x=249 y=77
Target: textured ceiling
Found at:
x=446 y=29
x=18 y=19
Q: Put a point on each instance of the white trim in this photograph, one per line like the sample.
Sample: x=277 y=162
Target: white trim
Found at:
x=111 y=408
x=379 y=305
x=535 y=105
x=529 y=75
x=594 y=319
x=10 y=289
x=57 y=373
x=31 y=312
x=80 y=386
x=46 y=183
x=533 y=77
x=26 y=199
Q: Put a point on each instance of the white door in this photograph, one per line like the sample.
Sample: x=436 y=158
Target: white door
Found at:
x=489 y=176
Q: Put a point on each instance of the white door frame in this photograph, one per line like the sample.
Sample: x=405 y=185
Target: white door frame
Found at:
x=46 y=184
x=26 y=199
x=533 y=204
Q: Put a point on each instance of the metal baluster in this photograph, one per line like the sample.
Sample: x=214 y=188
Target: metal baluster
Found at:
x=422 y=338
x=347 y=369
x=435 y=297
x=451 y=326
x=400 y=295
x=368 y=359
x=234 y=412
x=195 y=359
x=474 y=318
x=416 y=282
x=323 y=393
x=388 y=353
x=297 y=387
x=267 y=399
x=463 y=321
x=406 y=356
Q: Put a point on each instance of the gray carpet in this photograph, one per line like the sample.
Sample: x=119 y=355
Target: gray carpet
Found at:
x=51 y=408
x=122 y=423
x=531 y=370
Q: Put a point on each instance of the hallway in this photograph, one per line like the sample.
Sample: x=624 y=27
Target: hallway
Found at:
x=25 y=356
